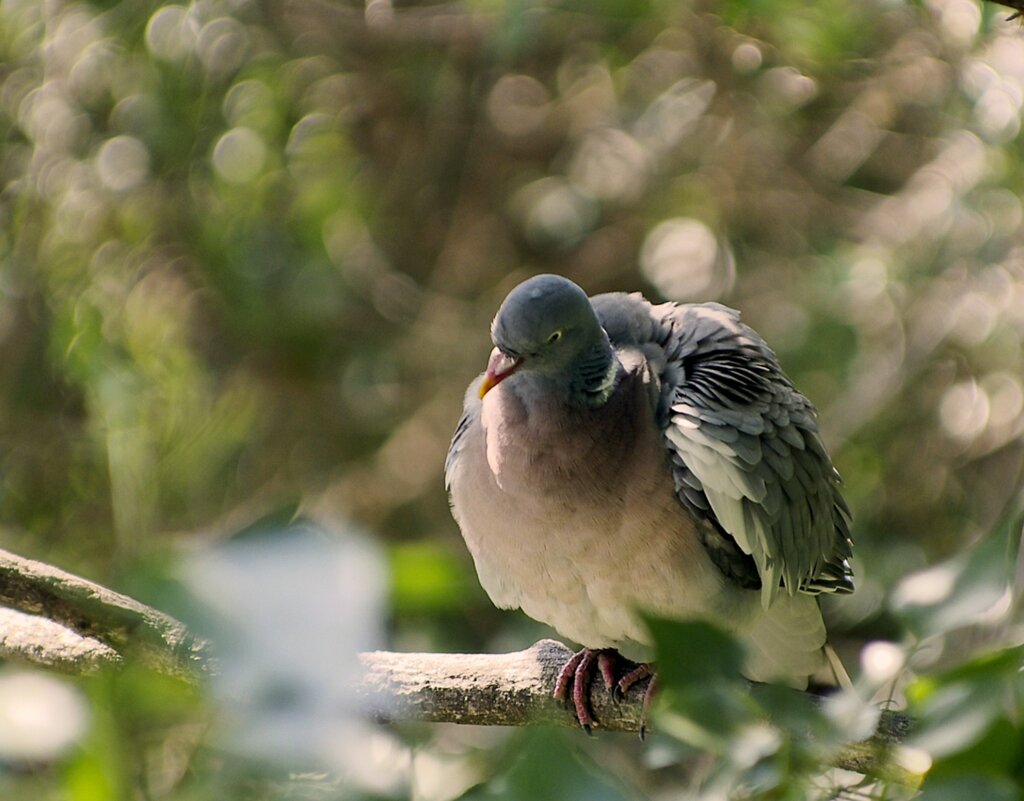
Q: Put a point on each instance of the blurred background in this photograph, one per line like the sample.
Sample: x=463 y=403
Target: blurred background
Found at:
x=249 y=252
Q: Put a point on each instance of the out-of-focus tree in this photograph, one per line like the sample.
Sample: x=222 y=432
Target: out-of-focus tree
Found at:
x=249 y=252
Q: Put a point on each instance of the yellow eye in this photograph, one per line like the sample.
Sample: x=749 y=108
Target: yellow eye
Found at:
x=555 y=336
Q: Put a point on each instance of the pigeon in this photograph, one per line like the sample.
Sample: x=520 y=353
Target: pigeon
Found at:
x=620 y=457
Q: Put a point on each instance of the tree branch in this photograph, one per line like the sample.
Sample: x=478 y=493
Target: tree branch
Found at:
x=97 y=614
x=64 y=622
x=515 y=690
x=30 y=638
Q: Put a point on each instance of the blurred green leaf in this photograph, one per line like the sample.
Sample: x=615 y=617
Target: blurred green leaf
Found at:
x=793 y=712
x=87 y=780
x=426 y=577
x=958 y=711
x=693 y=652
x=999 y=752
x=698 y=669
x=956 y=592
x=955 y=716
x=549 y=763
x=970 y=787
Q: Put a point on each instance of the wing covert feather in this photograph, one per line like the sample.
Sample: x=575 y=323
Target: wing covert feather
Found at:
x=746 y=454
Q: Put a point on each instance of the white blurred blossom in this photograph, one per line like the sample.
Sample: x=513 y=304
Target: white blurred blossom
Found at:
x=881 y=661
x=239 y=155
x=554 y=212
x=122 y=163
x=684 y=259
x=171 y=33
x=40 y=716
x=289 y=612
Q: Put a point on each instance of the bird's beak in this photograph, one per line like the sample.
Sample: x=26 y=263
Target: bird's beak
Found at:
x=499 y=367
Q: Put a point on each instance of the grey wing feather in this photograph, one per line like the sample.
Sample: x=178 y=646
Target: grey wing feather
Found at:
x=470 y=412
x=453 y=451
x=746 y=455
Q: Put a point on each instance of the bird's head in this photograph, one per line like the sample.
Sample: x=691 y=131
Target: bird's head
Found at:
x=546 y=325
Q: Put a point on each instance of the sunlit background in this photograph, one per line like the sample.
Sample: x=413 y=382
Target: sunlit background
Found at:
x=249 y=252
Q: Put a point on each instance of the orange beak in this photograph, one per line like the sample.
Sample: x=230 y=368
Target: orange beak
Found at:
x=499 y=367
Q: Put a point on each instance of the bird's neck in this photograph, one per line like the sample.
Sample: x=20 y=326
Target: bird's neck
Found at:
x=595 y=376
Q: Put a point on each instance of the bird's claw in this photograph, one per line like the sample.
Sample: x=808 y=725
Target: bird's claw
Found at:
x=565 y=676
x=606 y=661
x=639 y=673
x=577 y=671
x=649 y=691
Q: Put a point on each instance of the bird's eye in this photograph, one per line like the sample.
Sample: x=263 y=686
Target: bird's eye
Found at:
x=555 y=336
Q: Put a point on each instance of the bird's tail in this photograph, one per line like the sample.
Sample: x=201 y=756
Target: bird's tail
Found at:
x=785 y=644
x=835 y=665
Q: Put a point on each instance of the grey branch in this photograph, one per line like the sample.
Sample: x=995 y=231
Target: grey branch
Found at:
x=515 y=690
x=64 y=622
x=31 y=638
x=107 y=623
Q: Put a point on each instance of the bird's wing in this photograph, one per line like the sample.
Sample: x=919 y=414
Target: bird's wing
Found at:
x=470 y=413
x=746 y=455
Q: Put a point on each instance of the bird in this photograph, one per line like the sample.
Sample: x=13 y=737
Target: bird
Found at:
x=620 y=457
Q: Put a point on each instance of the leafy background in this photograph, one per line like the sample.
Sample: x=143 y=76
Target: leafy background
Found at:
x=248 y=256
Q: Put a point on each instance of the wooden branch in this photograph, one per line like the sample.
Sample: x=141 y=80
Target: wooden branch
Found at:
x=30 y=638
x=64 y=622
x=483 y=689
x=97 y=614
x=515 y=690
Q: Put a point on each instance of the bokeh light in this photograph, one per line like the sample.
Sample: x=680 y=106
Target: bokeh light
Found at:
x=239 y=155
x=249 y=253
x=40 y=717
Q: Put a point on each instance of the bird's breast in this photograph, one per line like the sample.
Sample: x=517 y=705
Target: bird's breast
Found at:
x=550 y=449
x=571 y=515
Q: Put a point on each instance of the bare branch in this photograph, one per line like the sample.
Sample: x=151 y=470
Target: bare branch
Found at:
x=98 y=613
x=71 y=624
x=30 y=638
x=483 y=689
x=515 y=690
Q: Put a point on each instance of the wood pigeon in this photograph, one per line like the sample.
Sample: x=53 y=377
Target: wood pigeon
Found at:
x=620 y=456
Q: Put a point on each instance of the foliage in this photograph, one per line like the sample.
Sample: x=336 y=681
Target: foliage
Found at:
x=248 y=256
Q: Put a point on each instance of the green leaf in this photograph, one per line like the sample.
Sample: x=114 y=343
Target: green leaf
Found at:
x=962 y=788
x=699 y=673
x=426 y=577
x=959 y=709
x=998 y=752
x=957 y=592
x=955 y=717
x=693 y=653
x=549 y=764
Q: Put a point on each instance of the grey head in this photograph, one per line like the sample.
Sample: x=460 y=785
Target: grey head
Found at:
x=547 y=327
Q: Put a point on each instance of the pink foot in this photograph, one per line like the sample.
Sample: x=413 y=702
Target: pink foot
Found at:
x=639 y=673
x=578 y=670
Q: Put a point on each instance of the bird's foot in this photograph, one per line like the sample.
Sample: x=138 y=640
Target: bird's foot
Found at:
x=637 y=674
x=577 y=672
